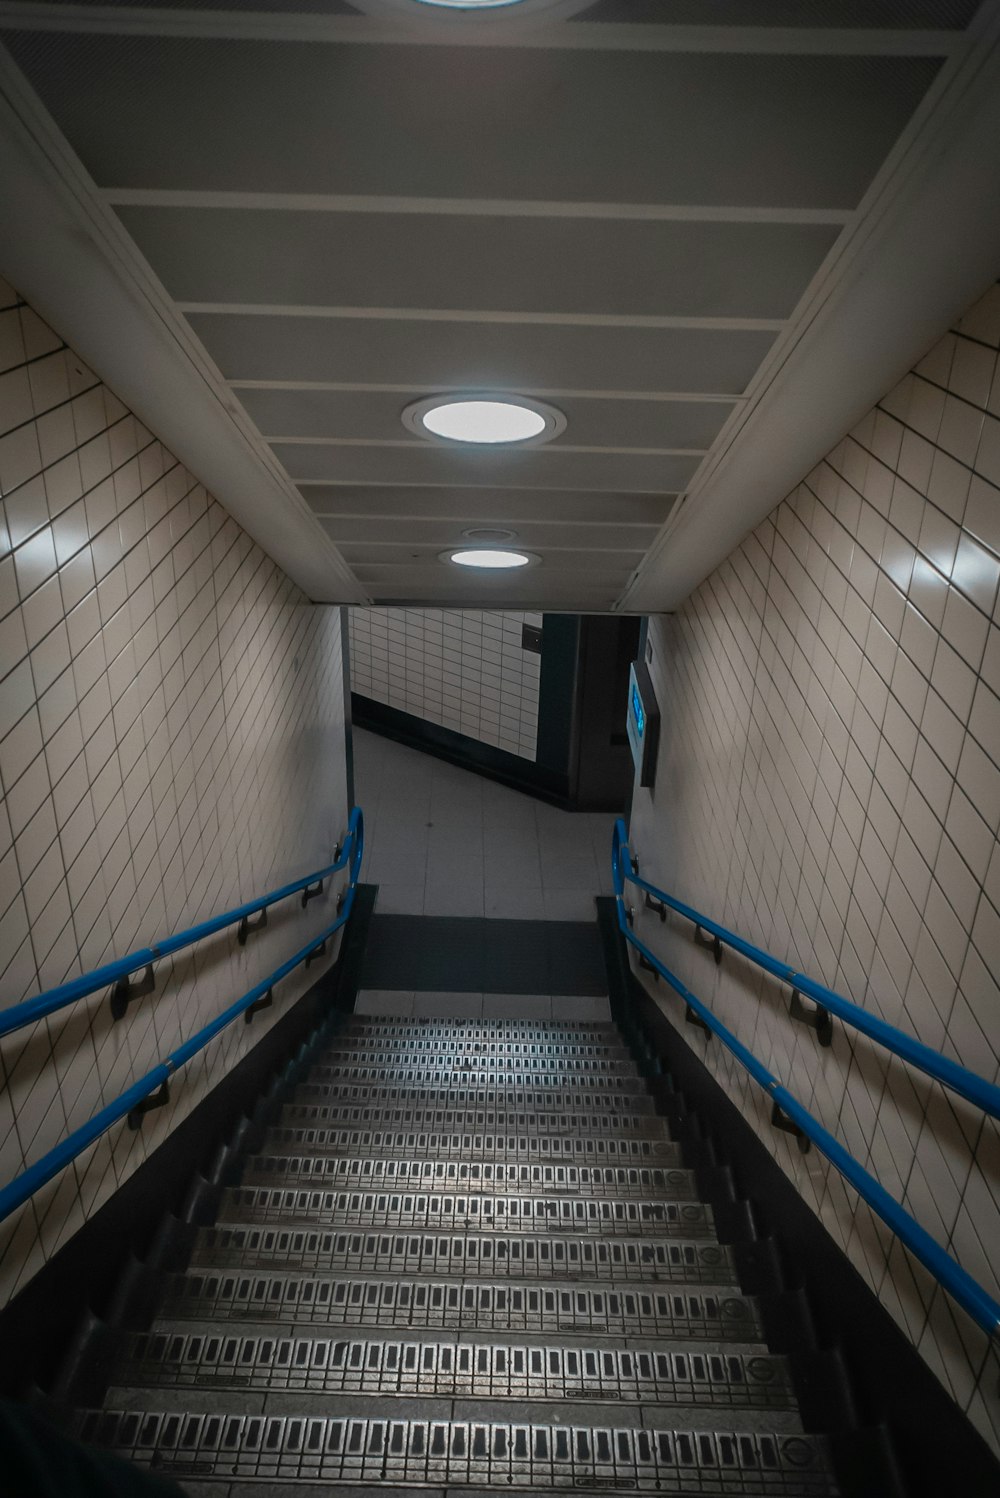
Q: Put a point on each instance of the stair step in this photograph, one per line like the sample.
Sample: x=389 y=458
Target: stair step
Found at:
x=473 y=1094
x=542 y=1055
x=473 y=1452
x=442 y=1048
x=445 y=1367
x=511 y=1255
x=395 y=1144
x=396 y=1208
x=599 y=1031
x=380 y=1174
x=529 y=1123
x=505 y=1075
x=684 y=1311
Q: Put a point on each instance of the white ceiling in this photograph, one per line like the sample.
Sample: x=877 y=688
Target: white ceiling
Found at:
x=272 y=226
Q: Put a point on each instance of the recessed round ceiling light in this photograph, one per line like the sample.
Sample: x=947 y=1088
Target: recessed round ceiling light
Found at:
x=468 y=4
x=484 y=420
x=490 y=558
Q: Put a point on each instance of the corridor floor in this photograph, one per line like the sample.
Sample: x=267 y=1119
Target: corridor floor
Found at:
x=444 y=841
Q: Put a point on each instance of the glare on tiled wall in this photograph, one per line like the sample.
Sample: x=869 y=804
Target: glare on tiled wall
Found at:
x=171 y=745
x=829 y=787
x=465 y=669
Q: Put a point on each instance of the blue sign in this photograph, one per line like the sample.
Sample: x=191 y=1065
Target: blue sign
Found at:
x=637 y=712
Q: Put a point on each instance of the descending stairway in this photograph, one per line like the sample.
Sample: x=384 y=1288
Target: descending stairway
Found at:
x=457 y=1255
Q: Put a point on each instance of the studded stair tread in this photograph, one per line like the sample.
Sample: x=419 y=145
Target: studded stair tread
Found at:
x=465 y=1452
x=470 y=1175
x=533 y=1122
x=404 y=1207
x=442 y=1144
x=651 y=1309
x=516 y=1255
x=455 y=1365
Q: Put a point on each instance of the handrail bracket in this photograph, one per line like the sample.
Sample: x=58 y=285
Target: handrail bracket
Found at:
x=781 y=1121
x=657 y=905
x=157 y=1099
x=706 y=939
x=316 y=953
x=247 y=925
x=818 y=1019
x=312 y=892
x=692 y=1017
x=123 y=993
x=264 y=1002
x=649 y=967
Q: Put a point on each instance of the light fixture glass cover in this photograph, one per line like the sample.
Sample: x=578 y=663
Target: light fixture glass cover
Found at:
x=491 y=558
x=484 y=420
x=468 y=4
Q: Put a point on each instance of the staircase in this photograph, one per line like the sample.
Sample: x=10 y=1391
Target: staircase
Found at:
x=453 y=1254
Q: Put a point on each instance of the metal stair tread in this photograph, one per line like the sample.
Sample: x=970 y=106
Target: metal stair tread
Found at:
x=542 y=1122
x=248 y=1246
x=419 y=1364
x=578 y=1099
x=568 y=1046
x=461 y=1452
x=490 y=1078
x=609 y=1308
x=410 y=1174
x=441 y=1144
x=521 y=1212
x=420 y=1027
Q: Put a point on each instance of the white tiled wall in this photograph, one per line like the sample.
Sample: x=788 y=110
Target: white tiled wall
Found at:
x=171 y=744
x=463 y=669
x=828 y=785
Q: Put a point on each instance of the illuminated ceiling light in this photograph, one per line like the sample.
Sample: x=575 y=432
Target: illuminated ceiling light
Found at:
x=491 y=558
x=484 y=420
x=468 y=4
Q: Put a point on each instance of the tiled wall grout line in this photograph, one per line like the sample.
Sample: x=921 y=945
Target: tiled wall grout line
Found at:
x=171 y=743
x=832 y=700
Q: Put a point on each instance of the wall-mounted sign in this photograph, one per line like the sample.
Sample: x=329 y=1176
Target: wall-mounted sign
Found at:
x=642 y=722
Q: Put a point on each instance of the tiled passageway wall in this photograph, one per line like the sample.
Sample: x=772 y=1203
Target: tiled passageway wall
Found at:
x=828 y=786
x=171 y=744
x=465 y=669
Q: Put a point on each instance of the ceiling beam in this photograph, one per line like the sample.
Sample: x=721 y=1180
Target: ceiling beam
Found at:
x=334 y=483
x=464 y=448
x=345 y=387
x=448 y=314
x=243 y=25
x=309 y=202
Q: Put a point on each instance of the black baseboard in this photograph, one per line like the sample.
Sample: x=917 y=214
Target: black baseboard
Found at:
x=937 y=1448
x=38 y=1323
x=528 y=776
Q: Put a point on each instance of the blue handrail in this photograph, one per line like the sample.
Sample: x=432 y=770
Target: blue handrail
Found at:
x=19 y=1015
x=969 y=1294
x=950 y=1074
x=31 y=1180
